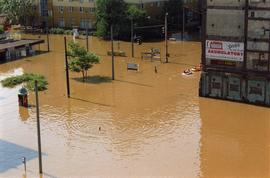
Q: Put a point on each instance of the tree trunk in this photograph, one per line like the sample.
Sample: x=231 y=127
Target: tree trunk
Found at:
x=83 y=76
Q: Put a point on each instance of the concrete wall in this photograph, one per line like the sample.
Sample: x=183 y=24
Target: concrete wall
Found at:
x=257 y=61
x=260 y=3
x=225 y=23
x=228 y=86
x=226 y=3
x=256 y=91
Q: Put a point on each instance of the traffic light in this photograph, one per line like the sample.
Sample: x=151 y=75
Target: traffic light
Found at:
x=163 y=30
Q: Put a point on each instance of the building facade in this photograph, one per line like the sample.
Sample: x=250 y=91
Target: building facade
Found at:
x=74 y=13
x=81 y=13
x=235 y=50
x=65 y=13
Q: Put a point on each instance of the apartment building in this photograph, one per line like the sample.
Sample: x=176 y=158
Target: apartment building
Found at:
x=65 y=13
x=43 y=11
x=236 y=50
x=74 y=13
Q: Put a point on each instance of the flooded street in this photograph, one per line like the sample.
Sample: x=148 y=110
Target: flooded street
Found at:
x=142 y=124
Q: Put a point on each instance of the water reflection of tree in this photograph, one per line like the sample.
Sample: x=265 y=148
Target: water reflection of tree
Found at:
x=24 y=114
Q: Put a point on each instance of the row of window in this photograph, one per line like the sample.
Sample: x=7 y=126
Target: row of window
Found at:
x=81 y=9
x=84 y=23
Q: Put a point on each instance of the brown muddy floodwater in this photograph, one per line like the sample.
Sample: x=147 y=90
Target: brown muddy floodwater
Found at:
x=152 y=124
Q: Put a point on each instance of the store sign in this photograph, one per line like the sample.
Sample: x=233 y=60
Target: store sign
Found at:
x=223 y=50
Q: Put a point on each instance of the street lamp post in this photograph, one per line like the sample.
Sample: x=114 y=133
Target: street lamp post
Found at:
x=112 y=52
x=87 y=43
x=38 y=129
x=132 y=37
x=48 y=39
x=67 y=70
x=183 y=24
x=166 y=37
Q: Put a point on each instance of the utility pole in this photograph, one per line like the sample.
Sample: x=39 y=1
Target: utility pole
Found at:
x=47 y=29
x=132 y=37
x=183 y=24
x=48 y=39
x=38 y=129
x=166 y=37
x=112 y=52
x=87 y=43
x=67 y=71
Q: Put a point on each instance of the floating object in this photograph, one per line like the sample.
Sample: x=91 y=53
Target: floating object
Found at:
x=99 y=128
x=138 y=40
x=155 y=69
x=187 y=72
x=133 y=66
x=23 y=97
x=172 y=39
x=196 y=69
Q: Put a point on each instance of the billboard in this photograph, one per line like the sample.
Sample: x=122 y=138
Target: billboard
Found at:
x=224 y=50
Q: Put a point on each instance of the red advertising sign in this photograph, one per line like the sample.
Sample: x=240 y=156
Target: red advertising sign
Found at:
x=223 y=50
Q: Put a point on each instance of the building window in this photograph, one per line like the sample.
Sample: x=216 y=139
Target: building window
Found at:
x=72 y=22
x=81 y=9
x=61 y=9
x=85 y=23
x=61 y=22
x=70 y=9
x=92 y=10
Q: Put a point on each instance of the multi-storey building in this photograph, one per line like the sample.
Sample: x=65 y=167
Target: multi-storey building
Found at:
x=70 y=13
x=43 y=11
x=81 y=13
x=65 y=13
x=236 y=50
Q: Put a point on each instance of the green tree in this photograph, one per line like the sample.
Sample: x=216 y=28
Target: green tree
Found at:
x=136 y=13
x=174 y=9
x=110 y=12
x=17 y=10
x=118 y=13
x=80 y=60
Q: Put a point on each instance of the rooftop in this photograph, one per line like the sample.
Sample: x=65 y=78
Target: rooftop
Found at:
x=18 y=43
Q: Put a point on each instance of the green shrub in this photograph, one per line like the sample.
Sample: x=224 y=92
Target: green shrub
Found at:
x=57 y=31
x=117 y=53
x=29 y=79
x=1 y=29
